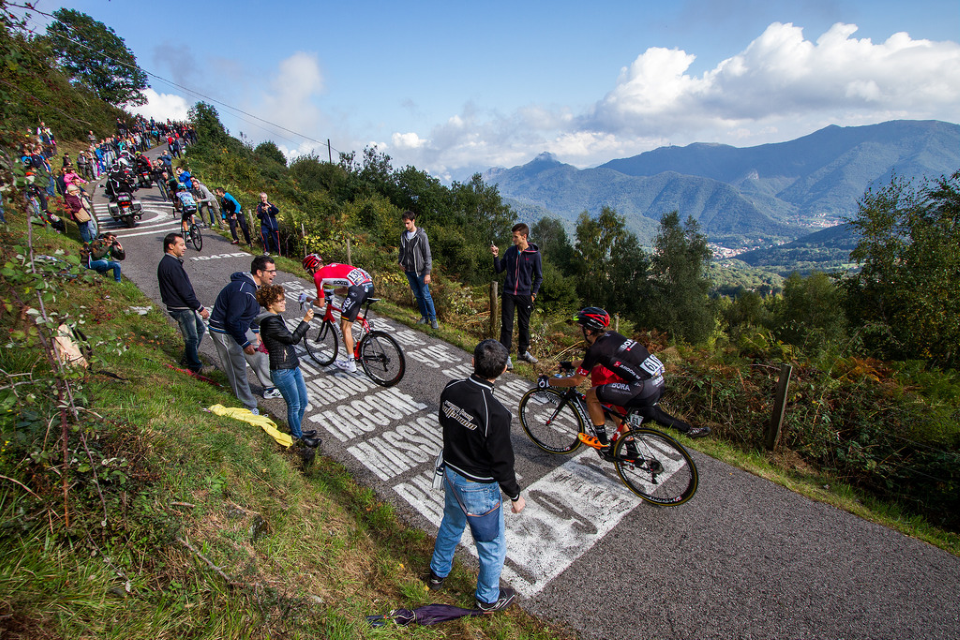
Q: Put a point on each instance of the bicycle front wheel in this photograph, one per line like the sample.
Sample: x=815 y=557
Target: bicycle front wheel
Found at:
x=322 y=344
x=382 y=359
x=655 y=467
x=195 y=237
x=550 y=420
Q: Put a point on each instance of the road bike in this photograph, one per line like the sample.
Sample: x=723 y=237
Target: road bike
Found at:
x=651 y=464
x=194 y=236
x=377 y=352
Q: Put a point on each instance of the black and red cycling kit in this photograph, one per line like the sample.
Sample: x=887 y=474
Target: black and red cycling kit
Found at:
x=637 y=375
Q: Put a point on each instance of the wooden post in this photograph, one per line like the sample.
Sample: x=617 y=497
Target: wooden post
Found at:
x=494 y=311
x=329 y=151
x=349 y=259
x=616 y=322
x=779 y=408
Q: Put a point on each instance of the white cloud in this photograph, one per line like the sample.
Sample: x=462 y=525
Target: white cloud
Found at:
x=287 y=99
x=781 y=86
x=780 y=75
x=162 y=106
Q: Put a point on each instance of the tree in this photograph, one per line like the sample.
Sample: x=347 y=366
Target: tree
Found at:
x=907 y=294
x=810 y=313
x=269 y=150
x=609 y=263
x=206 y=122
x=678 y=301
x=94 y=55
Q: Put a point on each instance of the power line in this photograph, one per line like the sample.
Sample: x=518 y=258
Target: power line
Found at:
x=236 y=110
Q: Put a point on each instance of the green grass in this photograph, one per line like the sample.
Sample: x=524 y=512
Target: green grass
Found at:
x=306 y=553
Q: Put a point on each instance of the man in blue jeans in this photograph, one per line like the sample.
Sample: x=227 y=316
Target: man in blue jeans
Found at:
x=104 y=253
x=417 y=263
x=177 y=293
x=478 y=463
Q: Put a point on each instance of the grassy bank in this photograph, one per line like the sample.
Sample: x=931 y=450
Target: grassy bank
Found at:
x=177 y=522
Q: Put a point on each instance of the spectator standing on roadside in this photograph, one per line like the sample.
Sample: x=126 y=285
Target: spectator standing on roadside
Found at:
x=269 y=227
x=417 y=264
x=234 y=311
x=177 y=294
x=206 y=198
x=80 y=214
x=478 y=464
x=231 y=209
x=284 y=363
x=524 y=276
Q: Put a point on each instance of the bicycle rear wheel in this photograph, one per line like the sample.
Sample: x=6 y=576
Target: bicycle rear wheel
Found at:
x=195 y=237
x=550 y=421
x=322 y=344
x=655 y=467
x=382 y=359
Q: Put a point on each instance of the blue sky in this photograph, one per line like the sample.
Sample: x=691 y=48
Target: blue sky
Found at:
x=457 y=87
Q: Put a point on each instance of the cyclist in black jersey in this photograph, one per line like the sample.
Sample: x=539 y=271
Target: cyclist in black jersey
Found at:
x=636 y=380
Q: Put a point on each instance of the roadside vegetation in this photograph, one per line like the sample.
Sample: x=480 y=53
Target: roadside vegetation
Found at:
x=129 y=511
x=126 y=510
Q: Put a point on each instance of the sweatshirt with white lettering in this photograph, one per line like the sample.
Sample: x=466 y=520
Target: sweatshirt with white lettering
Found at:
x=476 y=434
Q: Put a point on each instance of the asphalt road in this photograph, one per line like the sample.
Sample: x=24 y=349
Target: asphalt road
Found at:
x=743 y=559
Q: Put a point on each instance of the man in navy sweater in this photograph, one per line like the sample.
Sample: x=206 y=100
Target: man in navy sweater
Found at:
x=235 y=309
x=524 y=276
x=177 y=293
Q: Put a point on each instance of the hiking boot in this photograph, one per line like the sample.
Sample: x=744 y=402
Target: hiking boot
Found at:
x=271 y=393
x=507 y=596
x=312 y=433
x=434 y=324
x=421 y=321
x=435 y=582
x=526 y=356
x=509 y=364
x=347 y=365
x=696 y=432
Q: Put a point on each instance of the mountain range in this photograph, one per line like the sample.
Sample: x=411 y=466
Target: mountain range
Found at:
x=751 y=196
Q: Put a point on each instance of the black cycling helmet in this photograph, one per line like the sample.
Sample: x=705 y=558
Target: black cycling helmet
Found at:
x=593 y=318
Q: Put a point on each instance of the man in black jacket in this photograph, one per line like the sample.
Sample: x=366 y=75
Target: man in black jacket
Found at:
x=177 y=293
x=520 y=287
x=478 y=463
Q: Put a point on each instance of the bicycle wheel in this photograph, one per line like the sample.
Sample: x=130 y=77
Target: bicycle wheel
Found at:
x=550 y=421
x=657 y=468
x=382 y=358
x=322 y=344
x=195 y=237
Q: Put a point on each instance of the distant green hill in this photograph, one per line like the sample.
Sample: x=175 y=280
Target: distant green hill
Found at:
x=826 y=250
x=740 y=195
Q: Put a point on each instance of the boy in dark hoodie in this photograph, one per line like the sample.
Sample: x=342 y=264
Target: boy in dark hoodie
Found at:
x=234 y=311
x=520 y=288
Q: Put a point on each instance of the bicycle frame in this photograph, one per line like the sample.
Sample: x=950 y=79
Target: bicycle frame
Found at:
x=365 y=326
x=579 y=403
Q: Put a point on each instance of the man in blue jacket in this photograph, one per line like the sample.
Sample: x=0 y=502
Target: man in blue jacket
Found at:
x=524 y=276
x=234 y=311
x=234 y=215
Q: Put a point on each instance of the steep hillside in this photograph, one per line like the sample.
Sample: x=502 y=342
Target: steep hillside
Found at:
x=769 y=191
x=548 y=185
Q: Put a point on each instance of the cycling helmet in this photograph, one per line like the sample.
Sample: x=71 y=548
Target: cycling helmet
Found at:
x=312 y=261
x=593 y=318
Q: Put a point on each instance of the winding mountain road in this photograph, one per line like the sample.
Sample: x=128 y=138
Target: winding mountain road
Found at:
x=745 y=558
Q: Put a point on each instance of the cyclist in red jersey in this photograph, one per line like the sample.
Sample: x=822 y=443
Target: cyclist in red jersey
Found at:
x=623 y=373
x=354 y=284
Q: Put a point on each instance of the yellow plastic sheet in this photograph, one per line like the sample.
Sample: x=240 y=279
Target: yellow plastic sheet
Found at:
x=265 y=423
